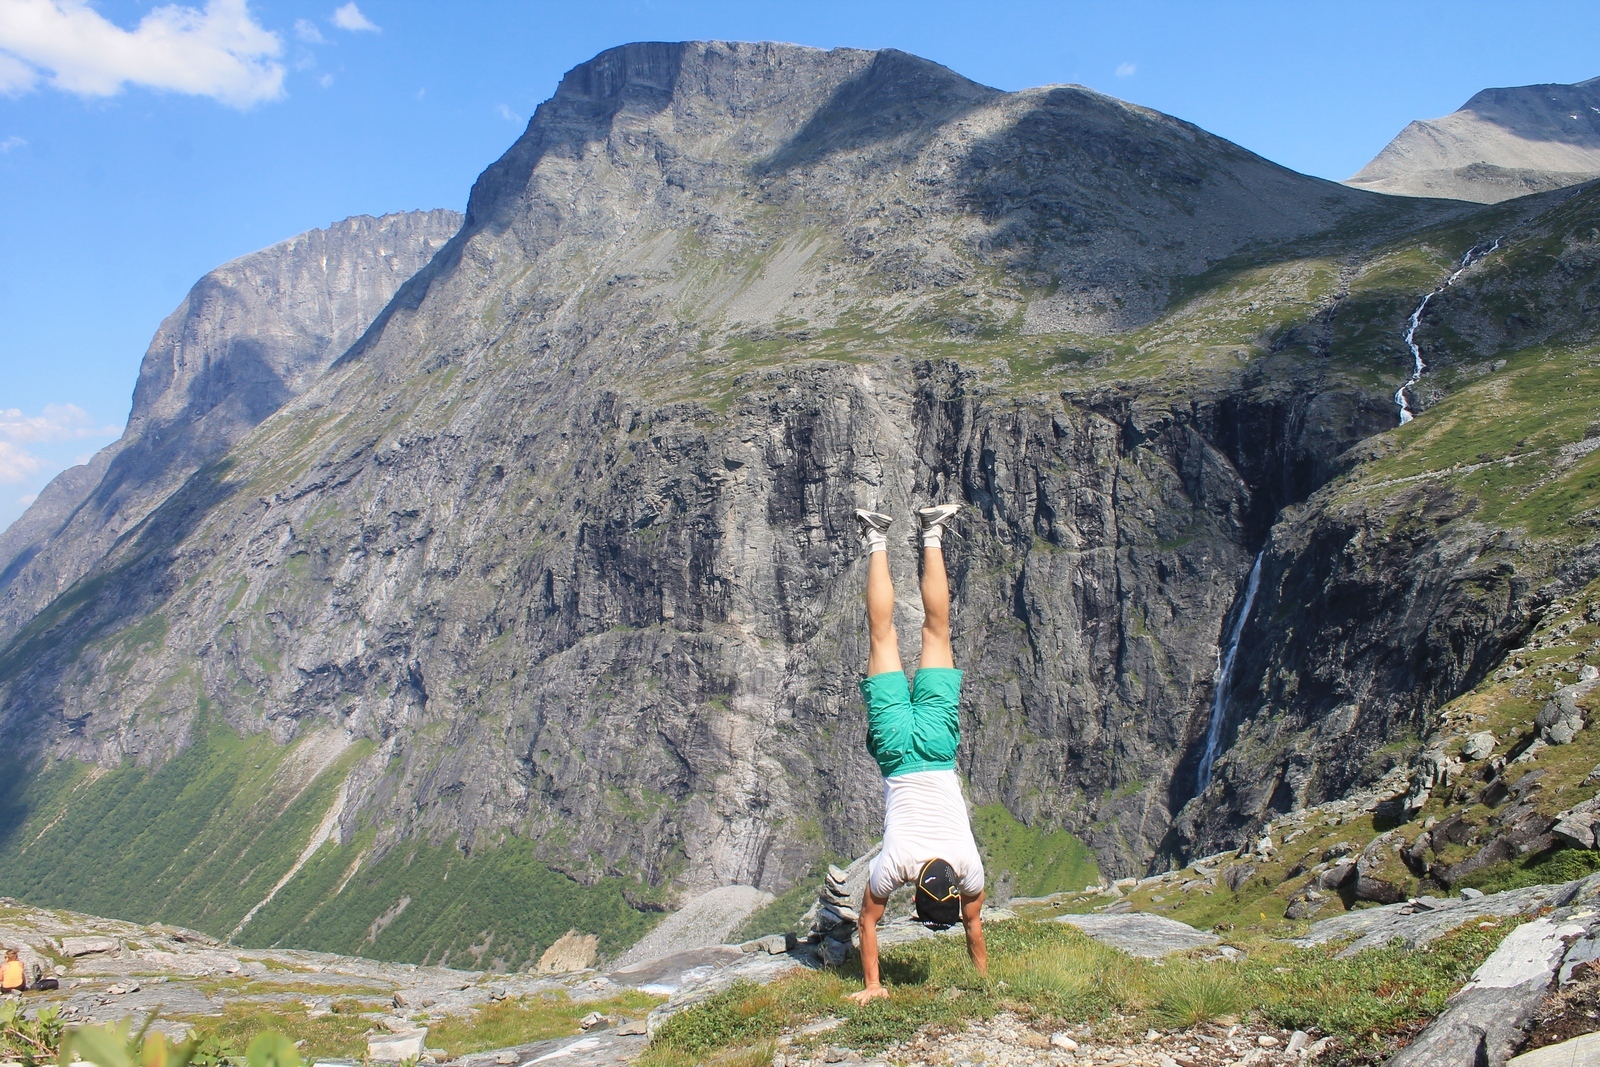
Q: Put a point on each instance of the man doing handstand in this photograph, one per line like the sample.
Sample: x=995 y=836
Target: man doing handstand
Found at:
x=912 y=731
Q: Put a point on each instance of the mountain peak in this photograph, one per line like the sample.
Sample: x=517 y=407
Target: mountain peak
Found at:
x=1502 y=143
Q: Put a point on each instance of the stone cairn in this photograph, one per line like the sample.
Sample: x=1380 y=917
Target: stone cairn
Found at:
x=833 y=925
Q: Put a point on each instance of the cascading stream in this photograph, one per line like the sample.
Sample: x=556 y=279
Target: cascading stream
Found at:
x=1475 y=253
x=1224 y=682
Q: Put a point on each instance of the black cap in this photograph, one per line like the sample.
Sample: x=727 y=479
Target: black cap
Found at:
x=938 y=899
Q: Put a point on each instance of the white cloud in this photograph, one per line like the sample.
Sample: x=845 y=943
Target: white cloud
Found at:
x=218 y=51
x=17 y=465
x=307 y=31
x=27 y=498
x=1126 y=70
x=59 y=422
x=509 y=115
x=16 y=76
x=325 y=81
x=12 y=142
x=349 y=17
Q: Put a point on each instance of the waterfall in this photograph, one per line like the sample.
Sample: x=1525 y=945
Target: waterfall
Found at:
x=1475 y=253
x=1224 y=681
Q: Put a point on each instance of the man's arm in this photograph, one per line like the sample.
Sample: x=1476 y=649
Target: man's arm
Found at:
x=867 y=925
x=972 y=921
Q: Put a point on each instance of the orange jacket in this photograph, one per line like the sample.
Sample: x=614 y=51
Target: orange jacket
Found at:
x=12 y=976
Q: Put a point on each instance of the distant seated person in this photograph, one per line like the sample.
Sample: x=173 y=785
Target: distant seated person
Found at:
x=13 y=978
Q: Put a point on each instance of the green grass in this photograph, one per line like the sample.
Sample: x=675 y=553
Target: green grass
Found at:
x=1552 y=866
x=1049 y=971
x=341 y=1034
x=1033 y=861
x=523 y=1020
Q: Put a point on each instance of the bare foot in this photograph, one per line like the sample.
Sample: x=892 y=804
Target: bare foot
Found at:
x=861 y=996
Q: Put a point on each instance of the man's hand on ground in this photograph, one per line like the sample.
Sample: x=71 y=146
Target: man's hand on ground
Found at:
x=862 y=996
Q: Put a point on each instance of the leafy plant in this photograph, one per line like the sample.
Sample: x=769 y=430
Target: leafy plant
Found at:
x=31 y=1041
x=118 y=1045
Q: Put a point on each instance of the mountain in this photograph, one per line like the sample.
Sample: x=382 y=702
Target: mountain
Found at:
x=250 y=335
x=548 y=585
x=1502 y=143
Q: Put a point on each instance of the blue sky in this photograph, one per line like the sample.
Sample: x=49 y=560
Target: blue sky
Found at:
x=131 y=162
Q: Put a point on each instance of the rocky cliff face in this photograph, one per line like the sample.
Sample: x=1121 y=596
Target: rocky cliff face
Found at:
x=566 y=536
x=1502 y=143
x=249 y=336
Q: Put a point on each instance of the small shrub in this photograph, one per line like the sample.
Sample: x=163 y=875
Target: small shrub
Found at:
x=1189 y=993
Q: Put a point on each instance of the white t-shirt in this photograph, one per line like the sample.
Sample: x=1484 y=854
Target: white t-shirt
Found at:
x=925 y=817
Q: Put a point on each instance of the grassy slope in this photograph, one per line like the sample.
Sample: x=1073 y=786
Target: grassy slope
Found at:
x=201 y=840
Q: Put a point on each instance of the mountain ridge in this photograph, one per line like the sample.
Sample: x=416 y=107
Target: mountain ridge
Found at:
x=249 y=335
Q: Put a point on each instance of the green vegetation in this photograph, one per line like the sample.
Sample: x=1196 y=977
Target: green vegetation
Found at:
x=497 y=908
x=196 y=843
x=30 y=1041
x=1050 y=971
x=204 y=838
x=1550 y=867
x=341 y=1034
x=524 y=1020
x=1035 y=862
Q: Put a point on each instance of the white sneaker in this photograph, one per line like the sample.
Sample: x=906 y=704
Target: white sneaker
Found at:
x=874 y=529
x=933 y=521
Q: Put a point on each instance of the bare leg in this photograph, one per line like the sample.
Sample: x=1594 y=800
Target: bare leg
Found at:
x=885 y=654
x=936 y=650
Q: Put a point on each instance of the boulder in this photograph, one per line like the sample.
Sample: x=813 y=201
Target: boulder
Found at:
x=1305 y=904
x=571 y=951
x=1478 y=746
x=392 y=1048
x=1560 y=719
x=1337 y=875
x=88 y=946
x=1377 y=891
x=1141 y=934
x=1576 y=829
x=1238 y=875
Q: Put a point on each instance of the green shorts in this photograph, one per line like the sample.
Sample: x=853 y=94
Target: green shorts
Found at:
x=913 y=728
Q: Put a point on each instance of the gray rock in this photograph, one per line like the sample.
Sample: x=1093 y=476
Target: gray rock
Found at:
x=1581 y=1051
x=1576 y=829
x=1479 y=746
x=84 y=946
x=391 y=1048
x=1579 y=953
x=1141 y=934
x=1483 y=1022
x=772 y=944
x=1376 y=927
x=703 y=921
